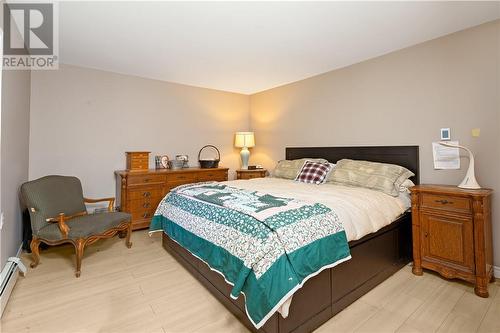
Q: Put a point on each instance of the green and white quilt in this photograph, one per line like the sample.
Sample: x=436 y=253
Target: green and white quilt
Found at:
x=265 y=246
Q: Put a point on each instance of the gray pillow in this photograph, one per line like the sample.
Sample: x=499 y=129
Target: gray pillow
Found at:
x=383 y=177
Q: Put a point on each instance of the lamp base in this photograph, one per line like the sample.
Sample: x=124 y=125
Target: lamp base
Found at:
x=470 y=183
x=245 y=155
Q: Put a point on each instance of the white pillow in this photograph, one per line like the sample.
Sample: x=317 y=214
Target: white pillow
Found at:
x=405 y=186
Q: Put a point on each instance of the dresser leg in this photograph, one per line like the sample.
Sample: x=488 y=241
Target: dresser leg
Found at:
x=417 y=270
x=492 y=279
x=481 y=288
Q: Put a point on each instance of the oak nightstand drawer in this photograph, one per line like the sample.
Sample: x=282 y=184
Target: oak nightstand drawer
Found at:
x=446 y=202
x=250 y=174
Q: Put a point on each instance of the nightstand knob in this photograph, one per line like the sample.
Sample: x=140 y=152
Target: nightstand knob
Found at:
x=426 y=234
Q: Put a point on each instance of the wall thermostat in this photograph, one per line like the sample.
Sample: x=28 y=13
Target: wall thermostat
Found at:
x=445 y=134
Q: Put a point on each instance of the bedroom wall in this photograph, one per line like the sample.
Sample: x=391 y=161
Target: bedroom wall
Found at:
x=83 y=121
x=402 y=98
x=15 y=108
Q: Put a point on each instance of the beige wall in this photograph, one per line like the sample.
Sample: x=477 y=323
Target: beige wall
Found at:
x=15 y=121
x=401 y=98
x=83 y=120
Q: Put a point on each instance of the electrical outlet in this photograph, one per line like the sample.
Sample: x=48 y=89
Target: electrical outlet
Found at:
x=1 y=220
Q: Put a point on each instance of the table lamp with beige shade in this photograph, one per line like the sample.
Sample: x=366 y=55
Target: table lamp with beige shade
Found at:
x=244 y=140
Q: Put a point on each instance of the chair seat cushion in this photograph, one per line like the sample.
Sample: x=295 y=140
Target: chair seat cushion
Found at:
x=85 y=226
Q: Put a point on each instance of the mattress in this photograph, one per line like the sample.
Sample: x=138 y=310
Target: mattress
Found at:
x=362 y=211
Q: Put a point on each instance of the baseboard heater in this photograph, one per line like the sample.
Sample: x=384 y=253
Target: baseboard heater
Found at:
x=8 y=279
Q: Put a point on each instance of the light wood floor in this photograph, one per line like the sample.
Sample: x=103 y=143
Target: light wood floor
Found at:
x=143 y=289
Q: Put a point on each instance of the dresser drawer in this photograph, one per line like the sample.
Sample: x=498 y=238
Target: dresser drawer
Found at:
x=446 y=202
x=141 y=204
x=171 y=185
x=187 y=177
x=212 y=176
x=145 y=179
x=142 y=214
x=145 y=192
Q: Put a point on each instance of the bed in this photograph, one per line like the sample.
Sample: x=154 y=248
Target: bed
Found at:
x=375 y=256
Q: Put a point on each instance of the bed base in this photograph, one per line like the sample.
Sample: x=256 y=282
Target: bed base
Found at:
x=375 y=257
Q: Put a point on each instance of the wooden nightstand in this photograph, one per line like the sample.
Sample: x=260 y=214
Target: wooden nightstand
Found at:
x=452 y=233
x=250 y=174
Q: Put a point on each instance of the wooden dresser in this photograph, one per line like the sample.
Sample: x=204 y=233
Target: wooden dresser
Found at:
x=140 y=192
x=452 y=233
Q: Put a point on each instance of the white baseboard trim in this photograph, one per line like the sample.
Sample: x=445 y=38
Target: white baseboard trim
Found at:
x=19 y=251
x=496 y=271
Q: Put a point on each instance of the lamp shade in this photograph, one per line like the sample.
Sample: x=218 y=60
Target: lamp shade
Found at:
x=244 y=139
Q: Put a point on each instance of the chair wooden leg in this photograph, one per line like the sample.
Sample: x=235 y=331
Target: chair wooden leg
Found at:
x=35 y=252
x=129 y=232
x=79 y=246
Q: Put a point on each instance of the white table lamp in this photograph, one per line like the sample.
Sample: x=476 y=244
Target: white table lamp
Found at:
x=244 y=140
x=469 y=181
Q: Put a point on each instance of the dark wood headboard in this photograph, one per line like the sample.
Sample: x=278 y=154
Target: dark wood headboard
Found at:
x=406 y=156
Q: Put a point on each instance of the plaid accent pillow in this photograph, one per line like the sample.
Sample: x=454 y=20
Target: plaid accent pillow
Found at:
x=314 y=172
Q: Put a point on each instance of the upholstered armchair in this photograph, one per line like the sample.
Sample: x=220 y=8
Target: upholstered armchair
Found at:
x=58 y=215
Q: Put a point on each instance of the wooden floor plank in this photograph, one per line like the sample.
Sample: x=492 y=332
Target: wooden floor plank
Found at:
x=433 y=312
x=491 y=321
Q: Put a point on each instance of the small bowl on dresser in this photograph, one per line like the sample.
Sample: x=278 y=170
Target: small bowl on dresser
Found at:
x=176 y=164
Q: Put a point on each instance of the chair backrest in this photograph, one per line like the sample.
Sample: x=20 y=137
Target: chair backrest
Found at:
x=51 y=195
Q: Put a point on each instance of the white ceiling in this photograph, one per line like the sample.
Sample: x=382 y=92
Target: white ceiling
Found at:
x=248 y=47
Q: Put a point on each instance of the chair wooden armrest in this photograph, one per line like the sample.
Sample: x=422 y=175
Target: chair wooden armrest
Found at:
x=110 y=205
x=61 y=221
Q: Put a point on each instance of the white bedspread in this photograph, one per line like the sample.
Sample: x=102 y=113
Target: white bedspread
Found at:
x=362 y=211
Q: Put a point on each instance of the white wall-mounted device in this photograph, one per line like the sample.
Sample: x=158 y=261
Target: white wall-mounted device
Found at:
x=445 y=134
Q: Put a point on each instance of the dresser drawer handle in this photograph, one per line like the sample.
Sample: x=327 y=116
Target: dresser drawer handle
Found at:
x=146 y=194
x=147 y=180
x=145 y=215
x=444 y=202
x=145 y=205
x=426 y=234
